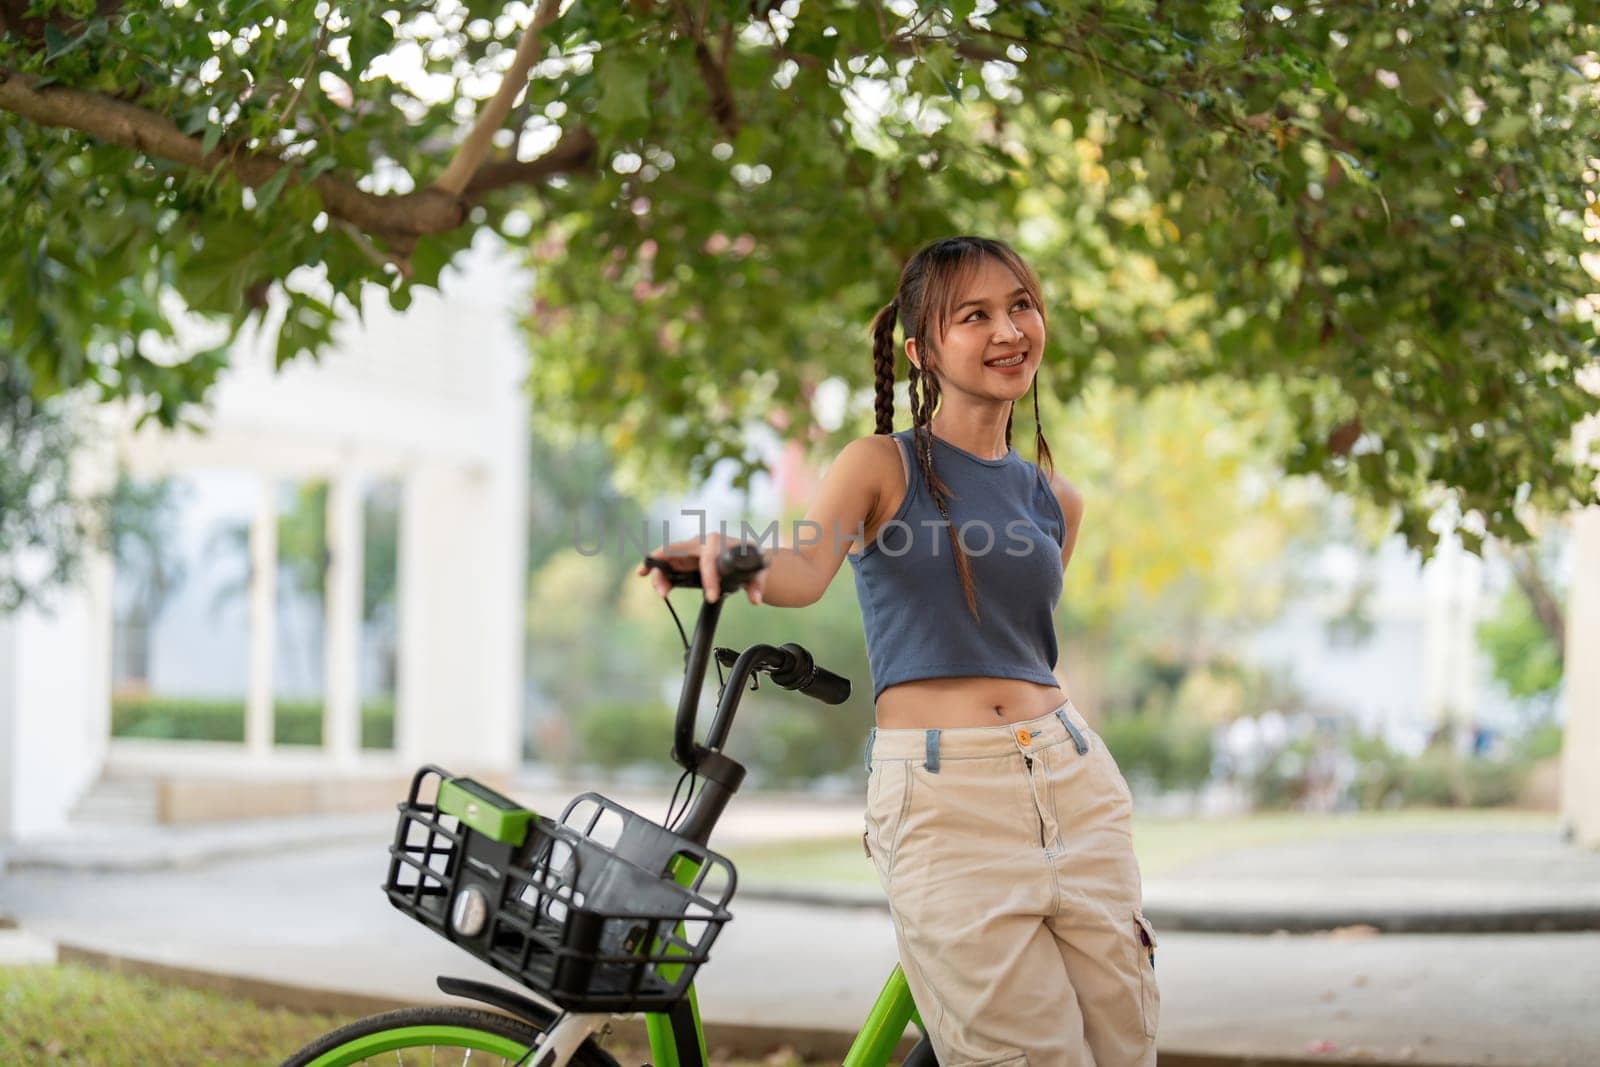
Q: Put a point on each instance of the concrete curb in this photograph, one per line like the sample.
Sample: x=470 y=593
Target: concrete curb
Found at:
x=1572 y=918
x=723 y=1039
x=108 y=856
x=1562 y=919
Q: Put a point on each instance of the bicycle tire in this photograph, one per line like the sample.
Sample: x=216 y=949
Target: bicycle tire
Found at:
x=428 y=1030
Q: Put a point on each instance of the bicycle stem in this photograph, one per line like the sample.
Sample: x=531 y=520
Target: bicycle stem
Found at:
x=694 y=673
x=722 y=774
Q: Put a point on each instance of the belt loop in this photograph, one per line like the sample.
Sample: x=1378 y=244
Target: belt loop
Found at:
x=866 y=756
x=932 y=762
x=1077 y=735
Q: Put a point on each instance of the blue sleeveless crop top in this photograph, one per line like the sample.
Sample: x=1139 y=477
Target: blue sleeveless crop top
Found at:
x=912 y=608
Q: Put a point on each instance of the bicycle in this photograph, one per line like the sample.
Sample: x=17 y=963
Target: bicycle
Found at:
x=602 y=912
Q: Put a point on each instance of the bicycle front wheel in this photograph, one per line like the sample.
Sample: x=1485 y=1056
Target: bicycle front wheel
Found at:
x=436 y=1036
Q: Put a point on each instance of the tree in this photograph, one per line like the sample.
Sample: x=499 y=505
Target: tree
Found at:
x=1382 y=209
x=1525 y=637
x=42 y=527
x=304 y=558
x=573 y=501
x=149 y=570
x=1188 y=538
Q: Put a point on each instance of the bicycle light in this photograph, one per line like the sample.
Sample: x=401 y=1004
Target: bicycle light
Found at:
x=470 y=911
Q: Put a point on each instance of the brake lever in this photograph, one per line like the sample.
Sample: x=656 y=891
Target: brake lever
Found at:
x=728 y=657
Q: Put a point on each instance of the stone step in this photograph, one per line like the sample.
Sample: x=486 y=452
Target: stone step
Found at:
x=119 y=801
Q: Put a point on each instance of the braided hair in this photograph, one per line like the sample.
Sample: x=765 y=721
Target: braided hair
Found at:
x=930 y=284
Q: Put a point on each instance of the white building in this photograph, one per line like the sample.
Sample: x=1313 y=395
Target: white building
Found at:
x=430 y=401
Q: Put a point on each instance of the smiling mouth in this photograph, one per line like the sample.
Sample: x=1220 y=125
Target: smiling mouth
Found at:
x=1008 y=361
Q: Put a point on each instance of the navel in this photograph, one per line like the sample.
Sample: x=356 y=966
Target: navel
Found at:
x=998 y=712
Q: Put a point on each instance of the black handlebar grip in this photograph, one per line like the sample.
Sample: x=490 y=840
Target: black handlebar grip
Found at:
x=736 y=565
x=828 y=687
x=803 y=675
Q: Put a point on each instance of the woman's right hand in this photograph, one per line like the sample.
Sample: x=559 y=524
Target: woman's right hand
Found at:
x=702 y=553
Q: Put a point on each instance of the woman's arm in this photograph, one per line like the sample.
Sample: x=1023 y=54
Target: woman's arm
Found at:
x=1071 y=502
x=801 y=566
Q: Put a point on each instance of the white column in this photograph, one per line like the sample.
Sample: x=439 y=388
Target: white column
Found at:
x=1580 y=751
x=411 y=612
x=263 y=618
x=461 y=581
x=1450 y=583
x=8 y=703
x=342 y=648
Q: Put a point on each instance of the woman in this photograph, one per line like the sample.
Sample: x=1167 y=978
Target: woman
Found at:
x=998 y=822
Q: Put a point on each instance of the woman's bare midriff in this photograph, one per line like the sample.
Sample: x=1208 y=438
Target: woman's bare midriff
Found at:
x=962 y=701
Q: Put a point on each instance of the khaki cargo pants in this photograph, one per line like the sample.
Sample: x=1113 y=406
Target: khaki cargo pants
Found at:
x=1006 y=855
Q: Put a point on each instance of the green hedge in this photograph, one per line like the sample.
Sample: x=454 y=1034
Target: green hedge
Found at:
x=1434 y=778
x=1164 y=751
x=295 y=722
x=614 y=735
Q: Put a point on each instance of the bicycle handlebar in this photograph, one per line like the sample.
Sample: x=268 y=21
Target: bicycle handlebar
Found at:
x=802 y=673
x=736 y=565
x=790 y=666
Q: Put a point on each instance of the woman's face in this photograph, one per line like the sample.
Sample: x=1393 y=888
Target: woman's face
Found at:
x=994 y=320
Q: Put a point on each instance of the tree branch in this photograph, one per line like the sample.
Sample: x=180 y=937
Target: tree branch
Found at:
x=1090 y=54
x=911 y=45
x=305 y=74
x=14 y=20
x=459 y=173
x=397 y=215
x=715 y=75
x=575 y=151
x=1546 y=608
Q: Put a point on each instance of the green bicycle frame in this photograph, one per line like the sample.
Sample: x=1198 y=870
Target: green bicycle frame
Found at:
x=873 y=1046
x=874 y=1043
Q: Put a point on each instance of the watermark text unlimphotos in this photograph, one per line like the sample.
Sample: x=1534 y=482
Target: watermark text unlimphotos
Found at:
x=894 y=538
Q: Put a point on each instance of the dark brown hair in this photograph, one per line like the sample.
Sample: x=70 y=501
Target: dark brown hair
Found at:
x=931 y=283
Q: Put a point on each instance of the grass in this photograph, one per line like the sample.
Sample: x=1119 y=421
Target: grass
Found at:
x=73 y=1014
x=1162 y=845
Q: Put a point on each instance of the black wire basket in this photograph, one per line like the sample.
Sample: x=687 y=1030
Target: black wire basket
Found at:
x=603 y=910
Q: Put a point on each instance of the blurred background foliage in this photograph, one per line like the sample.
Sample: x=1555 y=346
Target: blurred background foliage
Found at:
x=1379 y=212
x=1343 y=243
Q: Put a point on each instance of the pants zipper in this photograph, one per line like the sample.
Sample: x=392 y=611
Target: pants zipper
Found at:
x=1027 y=761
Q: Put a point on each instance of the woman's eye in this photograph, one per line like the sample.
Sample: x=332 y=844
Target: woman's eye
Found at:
x=1022 y=303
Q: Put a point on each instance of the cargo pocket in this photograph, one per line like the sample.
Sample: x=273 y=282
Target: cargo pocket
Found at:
x=1149 y=992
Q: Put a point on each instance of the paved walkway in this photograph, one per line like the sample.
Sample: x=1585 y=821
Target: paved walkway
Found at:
x=267 y=913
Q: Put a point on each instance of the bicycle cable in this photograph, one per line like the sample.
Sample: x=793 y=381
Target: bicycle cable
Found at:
x=672 y=820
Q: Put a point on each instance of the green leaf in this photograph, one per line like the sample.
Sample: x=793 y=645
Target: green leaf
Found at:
x=624 y=92
x=268 y=191
x=57 y=44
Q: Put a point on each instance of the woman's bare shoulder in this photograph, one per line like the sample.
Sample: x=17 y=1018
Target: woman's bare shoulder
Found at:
x=870 y=469
x=869 y=452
